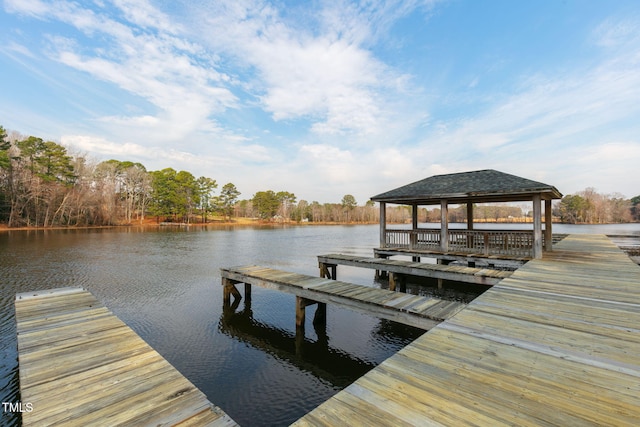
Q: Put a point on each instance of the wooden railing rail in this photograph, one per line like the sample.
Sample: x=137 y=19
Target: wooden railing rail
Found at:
x=487 y=242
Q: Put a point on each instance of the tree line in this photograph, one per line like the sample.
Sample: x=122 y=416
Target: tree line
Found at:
x=589 y=206
x=282 y=206
x=43 y=184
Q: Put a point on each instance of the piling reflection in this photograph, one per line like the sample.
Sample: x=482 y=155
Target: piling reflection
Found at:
x=317 y=357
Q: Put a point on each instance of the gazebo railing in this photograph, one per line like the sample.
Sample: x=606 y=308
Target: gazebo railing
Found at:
x=487 y=242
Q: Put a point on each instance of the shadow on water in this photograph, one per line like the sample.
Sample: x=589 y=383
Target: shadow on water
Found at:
x=316 y=357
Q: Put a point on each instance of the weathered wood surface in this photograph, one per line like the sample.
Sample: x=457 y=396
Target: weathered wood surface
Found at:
x=480 y=276
x=420 y=311
x=477 y=258
x=557 y=343
x=79 y=365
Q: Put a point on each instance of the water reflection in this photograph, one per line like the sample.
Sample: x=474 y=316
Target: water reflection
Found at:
x=316 y=357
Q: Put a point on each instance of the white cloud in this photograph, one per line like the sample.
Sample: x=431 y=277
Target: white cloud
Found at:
x=144 y=56
x=18 y=49
x=317 y=68
x=327 y=162
x=33 y=8
x=104 y=147
x=142 y=13
x=617 y=32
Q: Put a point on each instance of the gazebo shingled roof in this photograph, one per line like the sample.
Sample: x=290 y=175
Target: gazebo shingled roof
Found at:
x=480 y=186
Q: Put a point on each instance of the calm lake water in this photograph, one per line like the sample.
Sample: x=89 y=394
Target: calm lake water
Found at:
x=165 y=284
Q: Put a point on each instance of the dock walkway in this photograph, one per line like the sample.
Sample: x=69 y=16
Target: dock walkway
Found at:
x=557 y=343
x=419 y=311
x=458 y=273
x=80 y=365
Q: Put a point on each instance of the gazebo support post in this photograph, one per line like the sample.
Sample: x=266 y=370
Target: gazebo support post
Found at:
x=470 y=237
x=444 y=226
x=414 y=227
x=548 y=234
x=383 y=224
x=537 y=226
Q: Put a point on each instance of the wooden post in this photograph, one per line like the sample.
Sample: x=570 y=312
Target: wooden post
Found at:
x=396 y=279
x=319 y=321
x=326 y=273
x=444 y=226
x=537 y=226
x=486 y=243
x=228 y=289
x=414 y=226
x=320 y=325
x=383 y=224
x=301 y=304
x=323 y=270
x=470 y=237
x=300 y=311
x=300 y=334
x=247 y=293
x=548 y=234
x=320 y=317
x=381 y=273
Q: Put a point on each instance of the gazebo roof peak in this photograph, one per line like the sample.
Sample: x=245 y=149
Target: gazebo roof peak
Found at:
x=479 y=186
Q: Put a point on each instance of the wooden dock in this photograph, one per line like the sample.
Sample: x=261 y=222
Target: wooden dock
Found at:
x=458 y=273
x=473 y=259
x=557 y=343
x=419 y=311
x=79 y=365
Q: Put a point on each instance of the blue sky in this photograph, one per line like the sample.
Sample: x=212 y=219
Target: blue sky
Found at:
x=327 y=98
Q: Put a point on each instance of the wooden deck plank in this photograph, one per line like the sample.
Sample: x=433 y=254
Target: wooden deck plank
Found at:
x=504 y=392
x=38 y=308
x=374 y=301
x=501 y=362
x=614 y=346
x=557 y=343
x=599 y=317
x=80 y=365
x=483 y=276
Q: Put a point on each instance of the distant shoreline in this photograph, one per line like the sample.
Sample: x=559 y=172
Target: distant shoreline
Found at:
x=239 y=222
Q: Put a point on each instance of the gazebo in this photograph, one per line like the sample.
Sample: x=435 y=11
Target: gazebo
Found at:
x=483 y=186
